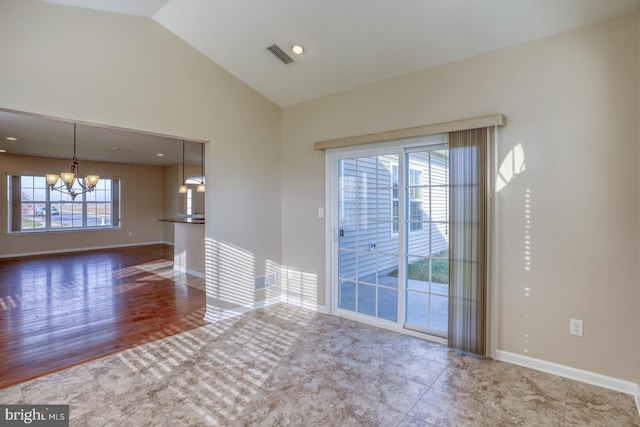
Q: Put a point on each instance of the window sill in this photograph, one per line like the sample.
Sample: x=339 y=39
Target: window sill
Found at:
x=64 y=230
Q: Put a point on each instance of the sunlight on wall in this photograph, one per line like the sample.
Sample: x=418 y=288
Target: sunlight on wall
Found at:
x=512 y=165
x=300 y=287
x=527 y=230
x=527 y=258
x=231 y=281
x=294 y=285
x=273 y=269
x=526 y=339
x=180 y=261
x=230 y=275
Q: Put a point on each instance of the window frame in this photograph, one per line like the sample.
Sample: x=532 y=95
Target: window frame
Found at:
x=413 y=189
x=16 y=214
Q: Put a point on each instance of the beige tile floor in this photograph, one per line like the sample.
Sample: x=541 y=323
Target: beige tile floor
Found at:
x=284 y=365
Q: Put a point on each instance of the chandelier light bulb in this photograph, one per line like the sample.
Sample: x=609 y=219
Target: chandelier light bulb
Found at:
x=67 y=177
x=91 y=180
x=52 y=179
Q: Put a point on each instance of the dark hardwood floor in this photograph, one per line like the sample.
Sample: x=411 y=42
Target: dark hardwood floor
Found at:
x=60 y=310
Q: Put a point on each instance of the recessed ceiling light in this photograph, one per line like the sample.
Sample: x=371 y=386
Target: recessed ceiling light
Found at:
x=298 y=47
x=11 y=138
x=160 y=155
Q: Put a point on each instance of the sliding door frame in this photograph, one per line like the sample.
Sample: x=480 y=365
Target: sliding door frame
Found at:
x=332 y=156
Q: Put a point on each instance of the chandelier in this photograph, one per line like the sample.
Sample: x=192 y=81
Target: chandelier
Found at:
x=84 y=185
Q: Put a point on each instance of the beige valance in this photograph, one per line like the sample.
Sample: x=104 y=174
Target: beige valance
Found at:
x=434 y=129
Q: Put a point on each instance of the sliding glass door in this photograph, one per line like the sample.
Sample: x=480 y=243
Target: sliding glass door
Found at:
x=427 y=233
x=367 y=244
x=390 y=246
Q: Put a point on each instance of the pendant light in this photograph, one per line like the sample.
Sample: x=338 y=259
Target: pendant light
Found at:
x=201 y=188
x=183 y=187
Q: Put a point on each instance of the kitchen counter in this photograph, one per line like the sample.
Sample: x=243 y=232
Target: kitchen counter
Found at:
x=183 y=220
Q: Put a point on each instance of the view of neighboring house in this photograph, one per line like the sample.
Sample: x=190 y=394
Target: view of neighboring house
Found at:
x=369 y=205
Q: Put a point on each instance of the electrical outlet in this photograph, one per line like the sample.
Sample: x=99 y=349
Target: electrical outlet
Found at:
x=575 y=327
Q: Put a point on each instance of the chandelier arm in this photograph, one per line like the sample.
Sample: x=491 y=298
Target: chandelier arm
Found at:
x=65 y=189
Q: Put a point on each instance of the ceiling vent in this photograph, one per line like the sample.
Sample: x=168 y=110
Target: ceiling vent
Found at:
x=280 y=54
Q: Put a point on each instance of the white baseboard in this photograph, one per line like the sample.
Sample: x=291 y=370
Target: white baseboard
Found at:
x=195 y=273
x=181 y=269
x=321 y=309
x=211 y=316
x=588 y=377
x=214 y=316
x=72 y=250
x=305 y=304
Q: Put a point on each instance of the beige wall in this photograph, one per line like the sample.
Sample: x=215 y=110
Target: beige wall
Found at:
x=571 y=104
x=172 y=177
x=130 y=72
x=141 y=207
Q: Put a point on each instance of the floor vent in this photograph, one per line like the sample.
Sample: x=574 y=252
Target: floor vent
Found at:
x=263 y=282
x=280 y=54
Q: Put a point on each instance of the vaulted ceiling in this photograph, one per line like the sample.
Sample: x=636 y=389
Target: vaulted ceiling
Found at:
x=349 y=43
x=354 y=42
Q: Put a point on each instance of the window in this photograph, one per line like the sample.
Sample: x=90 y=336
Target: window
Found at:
x=35 y=207
x=415 y=199
x=189 y=201
x=348 y=205
x=394 y=198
